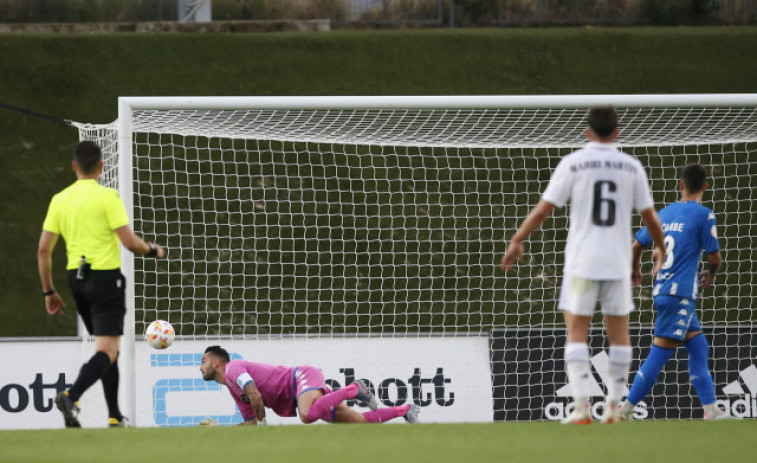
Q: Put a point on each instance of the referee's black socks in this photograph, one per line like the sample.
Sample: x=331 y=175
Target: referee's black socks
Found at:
x=89 y=374
x=110 y=389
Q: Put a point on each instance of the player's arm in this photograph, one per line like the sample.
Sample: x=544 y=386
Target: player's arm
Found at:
x=256 y=402
x=636 y=249
x=652 y=221
x=250 y=406
x=706 y=277
x=137 y=245
x=535 y=218
x=53 y=303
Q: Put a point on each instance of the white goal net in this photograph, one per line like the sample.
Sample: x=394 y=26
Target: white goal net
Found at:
x=387 y=217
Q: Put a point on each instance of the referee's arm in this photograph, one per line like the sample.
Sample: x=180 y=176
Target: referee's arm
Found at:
x=53 y=302
x=137 y=245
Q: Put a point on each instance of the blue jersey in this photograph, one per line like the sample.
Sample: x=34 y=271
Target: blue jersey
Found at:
x=689 y=228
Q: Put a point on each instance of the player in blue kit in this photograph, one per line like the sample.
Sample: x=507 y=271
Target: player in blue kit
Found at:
x=689 y=228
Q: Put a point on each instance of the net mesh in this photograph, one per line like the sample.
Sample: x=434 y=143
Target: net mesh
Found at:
x=392 y=222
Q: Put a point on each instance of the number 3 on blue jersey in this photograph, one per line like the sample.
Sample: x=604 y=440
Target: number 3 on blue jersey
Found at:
x=670 y=243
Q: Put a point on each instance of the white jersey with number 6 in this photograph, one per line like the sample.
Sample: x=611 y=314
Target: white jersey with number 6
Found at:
x=603 y=186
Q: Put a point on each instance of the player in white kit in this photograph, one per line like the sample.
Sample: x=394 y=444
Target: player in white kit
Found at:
x=603 y=186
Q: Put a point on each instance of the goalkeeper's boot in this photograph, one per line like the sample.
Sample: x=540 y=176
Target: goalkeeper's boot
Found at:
x=116 y=423
x=411 y=416
x=579 y=415
x=365 y=396
x=69 y=408
x=611 y=413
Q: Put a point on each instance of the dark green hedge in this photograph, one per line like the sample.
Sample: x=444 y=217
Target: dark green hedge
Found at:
x=81 y=77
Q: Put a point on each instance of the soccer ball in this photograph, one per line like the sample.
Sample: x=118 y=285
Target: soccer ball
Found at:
x=160 y=334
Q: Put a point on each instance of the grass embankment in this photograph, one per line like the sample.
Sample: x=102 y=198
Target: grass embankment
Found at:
x=80 y=78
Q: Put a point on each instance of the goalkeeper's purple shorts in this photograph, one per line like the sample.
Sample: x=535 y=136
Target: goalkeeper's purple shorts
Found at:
x=306 y=378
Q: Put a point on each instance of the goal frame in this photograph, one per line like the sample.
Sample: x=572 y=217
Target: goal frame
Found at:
x=125 y=135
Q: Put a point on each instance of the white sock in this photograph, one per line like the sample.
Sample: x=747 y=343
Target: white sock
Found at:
x=578 y=367
x=617 y=372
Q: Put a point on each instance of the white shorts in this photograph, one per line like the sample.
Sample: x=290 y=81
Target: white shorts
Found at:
x=579 y=296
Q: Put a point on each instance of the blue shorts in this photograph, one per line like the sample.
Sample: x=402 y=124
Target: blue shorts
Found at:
x=675 y=317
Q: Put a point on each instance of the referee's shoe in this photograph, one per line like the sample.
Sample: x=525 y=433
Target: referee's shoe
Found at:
x=69 y=409
x=116 y=423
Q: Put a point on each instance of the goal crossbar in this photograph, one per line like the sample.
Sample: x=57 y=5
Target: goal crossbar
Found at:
x=436 y=102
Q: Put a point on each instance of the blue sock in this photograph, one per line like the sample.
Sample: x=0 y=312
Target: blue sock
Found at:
x=647 y=374
x=699 y=371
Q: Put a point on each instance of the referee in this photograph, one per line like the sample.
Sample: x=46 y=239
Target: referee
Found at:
x=92 y=220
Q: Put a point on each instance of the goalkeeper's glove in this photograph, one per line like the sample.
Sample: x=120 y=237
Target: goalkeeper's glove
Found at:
x=208 y=422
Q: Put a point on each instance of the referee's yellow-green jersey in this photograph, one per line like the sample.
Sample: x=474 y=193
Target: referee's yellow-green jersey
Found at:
x=86 y=215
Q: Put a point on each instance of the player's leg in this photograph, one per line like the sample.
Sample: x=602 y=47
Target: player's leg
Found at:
x=620 y=355
x=315 y=401
x=699 y=372
x=617 y=303
x=345 y=414
x=112 y=323
x=670 y=325
x=324 y=408
x=382 y=415
x=699 y=352
x=305 y=401
x=578 y=366
x=110 y=381
x=316 y=405
x=319 y=402
x=578 y=297
x=67 y=405
x=646 y=377
x=110 y=390
x=90 y=372
x=102 y=293
x=106 y=348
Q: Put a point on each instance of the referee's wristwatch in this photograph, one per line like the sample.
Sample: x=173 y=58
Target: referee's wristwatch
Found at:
x=48 y=293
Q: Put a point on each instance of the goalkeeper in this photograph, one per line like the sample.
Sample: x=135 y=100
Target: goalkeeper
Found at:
x=292 y=390
x=689 y=228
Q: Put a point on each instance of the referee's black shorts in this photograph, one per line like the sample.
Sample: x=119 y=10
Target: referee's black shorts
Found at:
x=100 y=300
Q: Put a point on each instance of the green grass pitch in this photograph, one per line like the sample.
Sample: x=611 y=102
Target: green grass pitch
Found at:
x=639 y=441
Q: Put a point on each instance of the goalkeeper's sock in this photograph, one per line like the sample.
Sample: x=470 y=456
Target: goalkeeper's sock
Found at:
x=617 y=372
x=325 y=407
x=382 y=415
x=579 y=370
x=89 y=374
x=110 y=389
x=647 y=374
x=699 y=372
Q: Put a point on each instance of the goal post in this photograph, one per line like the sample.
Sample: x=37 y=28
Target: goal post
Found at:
x=125 y=186
x=370 y=218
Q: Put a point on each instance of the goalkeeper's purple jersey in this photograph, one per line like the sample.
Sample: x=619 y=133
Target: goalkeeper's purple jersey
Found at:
x=274 y=382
